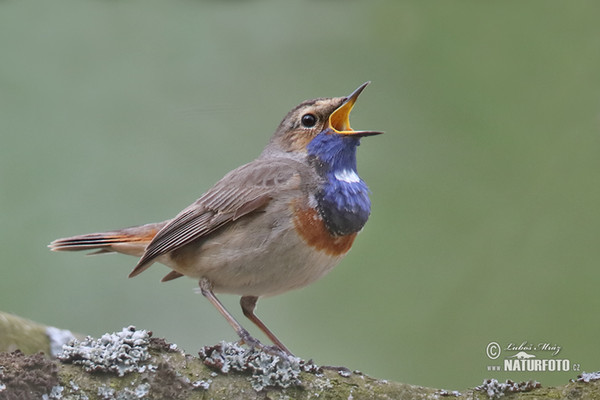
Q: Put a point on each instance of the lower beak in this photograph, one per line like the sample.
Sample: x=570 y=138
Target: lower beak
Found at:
x=339 y=120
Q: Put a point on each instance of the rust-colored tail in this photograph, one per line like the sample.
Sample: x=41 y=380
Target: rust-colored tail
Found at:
x=132 y=241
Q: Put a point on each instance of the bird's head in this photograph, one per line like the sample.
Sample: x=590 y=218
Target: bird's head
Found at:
x=320 y=127
x=318 y=132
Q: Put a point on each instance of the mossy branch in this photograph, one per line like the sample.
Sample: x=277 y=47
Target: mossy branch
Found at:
x=163 y=372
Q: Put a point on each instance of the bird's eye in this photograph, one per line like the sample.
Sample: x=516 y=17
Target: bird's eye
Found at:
x=309 y=120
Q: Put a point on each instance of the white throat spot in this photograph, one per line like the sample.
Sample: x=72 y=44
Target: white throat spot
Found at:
x=346 y=175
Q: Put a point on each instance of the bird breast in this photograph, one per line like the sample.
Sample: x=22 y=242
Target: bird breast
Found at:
x=265 y=253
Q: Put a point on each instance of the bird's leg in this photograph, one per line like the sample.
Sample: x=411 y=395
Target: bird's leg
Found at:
x=206 y=290
x=248 y=303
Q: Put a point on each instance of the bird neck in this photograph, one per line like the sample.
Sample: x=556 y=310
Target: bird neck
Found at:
x=343 y=200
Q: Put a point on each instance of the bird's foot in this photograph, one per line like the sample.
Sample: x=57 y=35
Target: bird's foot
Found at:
x=251 y=341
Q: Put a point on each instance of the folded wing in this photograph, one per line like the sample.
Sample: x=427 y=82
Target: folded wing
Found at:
x=245 y=190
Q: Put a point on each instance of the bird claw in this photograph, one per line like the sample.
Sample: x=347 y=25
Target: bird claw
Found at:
x=271 y=350
x=252 y=342
x=276 y=351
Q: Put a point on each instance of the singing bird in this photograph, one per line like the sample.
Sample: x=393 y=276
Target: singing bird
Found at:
x=275 y=224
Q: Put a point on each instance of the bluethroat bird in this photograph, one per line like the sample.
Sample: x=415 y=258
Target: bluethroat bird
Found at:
x=275 y=224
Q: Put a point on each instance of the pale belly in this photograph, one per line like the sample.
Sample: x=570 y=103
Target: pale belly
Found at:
x=246 y=259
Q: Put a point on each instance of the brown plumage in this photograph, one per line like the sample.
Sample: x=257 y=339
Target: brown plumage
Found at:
x=260 y=230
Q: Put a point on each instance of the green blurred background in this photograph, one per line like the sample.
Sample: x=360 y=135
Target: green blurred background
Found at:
x=485 y=220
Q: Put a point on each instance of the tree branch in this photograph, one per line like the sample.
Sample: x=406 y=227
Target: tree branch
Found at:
x=132 y=365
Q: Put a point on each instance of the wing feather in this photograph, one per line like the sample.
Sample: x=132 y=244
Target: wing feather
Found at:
x=244 y=190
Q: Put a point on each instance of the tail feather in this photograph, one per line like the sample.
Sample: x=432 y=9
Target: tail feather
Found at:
x=101 y=251
x=132 y=241
x=89 y=242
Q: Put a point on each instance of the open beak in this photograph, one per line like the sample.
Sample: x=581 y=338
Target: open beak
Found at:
x=339 y=120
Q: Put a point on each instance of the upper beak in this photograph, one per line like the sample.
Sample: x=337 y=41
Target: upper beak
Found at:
x=339 y=120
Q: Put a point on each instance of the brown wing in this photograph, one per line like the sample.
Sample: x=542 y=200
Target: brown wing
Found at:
x=244 y=190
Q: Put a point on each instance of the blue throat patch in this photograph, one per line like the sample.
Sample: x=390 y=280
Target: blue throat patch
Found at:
x=343 y=201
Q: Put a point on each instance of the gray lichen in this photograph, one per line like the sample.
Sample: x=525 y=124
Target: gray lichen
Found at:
x=58 y=338
x=139 y=392
x=119 y=352
x=445 y=393
x=266 y=369
x=105 y=392
x=202 y=384
x=142 y=390
x=55 y=393
x=495 y=389
x=588 y=377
